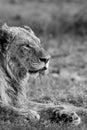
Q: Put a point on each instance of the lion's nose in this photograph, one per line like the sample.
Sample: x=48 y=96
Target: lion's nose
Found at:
x=45 y=59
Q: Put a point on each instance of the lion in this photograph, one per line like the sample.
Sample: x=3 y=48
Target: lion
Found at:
x=22 y=56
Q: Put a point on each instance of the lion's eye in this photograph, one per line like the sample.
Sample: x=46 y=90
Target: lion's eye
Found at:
x=27 y=50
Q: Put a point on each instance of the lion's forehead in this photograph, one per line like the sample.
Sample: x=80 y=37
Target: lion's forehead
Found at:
x=26 y=36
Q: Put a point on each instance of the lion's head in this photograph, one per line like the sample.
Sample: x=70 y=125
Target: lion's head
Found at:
x=22 y=51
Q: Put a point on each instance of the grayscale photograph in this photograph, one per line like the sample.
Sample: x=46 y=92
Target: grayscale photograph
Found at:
x=43 y=65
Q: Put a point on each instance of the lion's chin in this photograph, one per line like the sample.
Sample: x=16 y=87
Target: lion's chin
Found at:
x=34 y=75
x=38 y=74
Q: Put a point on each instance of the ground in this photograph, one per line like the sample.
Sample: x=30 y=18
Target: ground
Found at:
x=62 y=28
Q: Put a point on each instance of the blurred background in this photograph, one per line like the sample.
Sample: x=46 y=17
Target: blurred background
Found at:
x=62 y=27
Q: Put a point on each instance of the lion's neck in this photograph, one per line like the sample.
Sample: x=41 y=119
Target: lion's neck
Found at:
x=12 y=92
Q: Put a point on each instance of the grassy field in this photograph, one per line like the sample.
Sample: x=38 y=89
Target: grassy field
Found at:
x=62 y=27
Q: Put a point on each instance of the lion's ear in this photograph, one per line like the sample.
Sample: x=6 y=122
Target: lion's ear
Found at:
x=4 y=38
x=28 y=28
x=5 y=26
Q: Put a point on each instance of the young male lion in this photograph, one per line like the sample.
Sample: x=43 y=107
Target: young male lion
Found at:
x=22 y=55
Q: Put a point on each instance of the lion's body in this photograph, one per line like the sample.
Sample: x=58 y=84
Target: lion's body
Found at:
x=20 y=50
x=21 y=55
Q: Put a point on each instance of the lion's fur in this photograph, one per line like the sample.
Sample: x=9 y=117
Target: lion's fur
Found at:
x=13 y=87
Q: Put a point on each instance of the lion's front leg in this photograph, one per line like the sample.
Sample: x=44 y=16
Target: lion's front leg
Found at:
x=49 y=113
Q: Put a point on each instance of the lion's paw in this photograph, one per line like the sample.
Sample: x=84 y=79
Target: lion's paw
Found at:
x=65 y=116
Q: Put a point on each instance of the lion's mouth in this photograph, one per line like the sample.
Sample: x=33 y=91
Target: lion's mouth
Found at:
x=38 y=70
